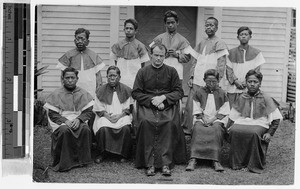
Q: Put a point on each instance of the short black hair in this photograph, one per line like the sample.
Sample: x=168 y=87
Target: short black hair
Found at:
x=257 y=74
x=133 y=22
x=244 y=28
x=171 y=13
x=211 y=72
x=69 y=69
x=160 y=46
x=82 y=30
x=213 y=18
x=113 y=68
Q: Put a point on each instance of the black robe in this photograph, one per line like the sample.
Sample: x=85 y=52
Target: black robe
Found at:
x=160 y=138
x=115 y=141
x=70 y=148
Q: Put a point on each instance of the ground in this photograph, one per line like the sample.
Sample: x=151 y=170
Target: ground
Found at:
x=279 y=168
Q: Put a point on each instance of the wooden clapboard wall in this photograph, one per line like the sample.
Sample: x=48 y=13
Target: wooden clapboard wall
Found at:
x=56 y=27
x=123 y=17
x=271 y=30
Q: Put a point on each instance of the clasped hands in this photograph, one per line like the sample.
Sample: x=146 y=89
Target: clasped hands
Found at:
x=157 y=101
x=172 y=53
x=73 y=124
x=206 y=121
x=113 y=118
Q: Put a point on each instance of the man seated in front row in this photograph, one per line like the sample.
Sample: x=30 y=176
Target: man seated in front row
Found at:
x=160 y=138
x=113 y=117
x=69 y=108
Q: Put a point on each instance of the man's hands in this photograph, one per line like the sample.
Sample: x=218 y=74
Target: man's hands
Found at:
x=172 y=53
x=113 y=118
x=73 y=124
x=208 y=122
x=239 y=85
x=267 y=137
x=158 y=101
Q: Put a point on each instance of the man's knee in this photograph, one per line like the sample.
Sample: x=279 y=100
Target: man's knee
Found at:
x=64 y=129
x=85 y=128
x=127 y=129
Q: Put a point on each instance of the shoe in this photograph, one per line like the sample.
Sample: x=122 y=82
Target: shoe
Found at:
x=99 y=159
x=192 y=164
x=166 y=170
x=218 y=166
x=150 y=171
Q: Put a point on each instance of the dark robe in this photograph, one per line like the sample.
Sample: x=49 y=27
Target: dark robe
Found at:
x=70 y=148
x=247 y=147
x=115 y=141
x=160 y=138
x=206 y=142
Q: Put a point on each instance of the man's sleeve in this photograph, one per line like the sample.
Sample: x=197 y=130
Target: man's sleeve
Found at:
x=176 y=87
x=230 y=75
x=86 y=114
x=184 y=58
x=221 y=66
x=98 y=80
x=273 y=127
x=56 y=117
x=138 y=91
x=192 y=70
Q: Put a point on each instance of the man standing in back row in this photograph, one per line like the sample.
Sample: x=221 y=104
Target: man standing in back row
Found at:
x=240 y=60
x=178 y=48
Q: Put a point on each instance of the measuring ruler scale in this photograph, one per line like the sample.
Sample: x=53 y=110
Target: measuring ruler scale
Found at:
x=15 y=79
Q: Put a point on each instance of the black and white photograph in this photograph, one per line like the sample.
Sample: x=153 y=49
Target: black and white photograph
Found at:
x=150 y=93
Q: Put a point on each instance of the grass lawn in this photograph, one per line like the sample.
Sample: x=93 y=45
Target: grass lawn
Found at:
x=279 y=169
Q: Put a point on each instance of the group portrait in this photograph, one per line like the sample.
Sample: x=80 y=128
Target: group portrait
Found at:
x=164 y=94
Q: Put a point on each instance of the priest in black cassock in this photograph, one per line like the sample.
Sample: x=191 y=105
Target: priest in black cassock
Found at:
x=160 y=138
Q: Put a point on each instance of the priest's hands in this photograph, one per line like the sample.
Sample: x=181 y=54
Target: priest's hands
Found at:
x=161 y=106
x=158 y=101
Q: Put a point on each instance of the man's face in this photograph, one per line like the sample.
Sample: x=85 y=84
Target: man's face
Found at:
x=244 y=37
x=171 y=24
x=69 y=80
x=129 y=30
x=210 y=27
x=253 y=84
x=211 y=82
x=113 y=78
x=81 y=41
x=158 y=56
